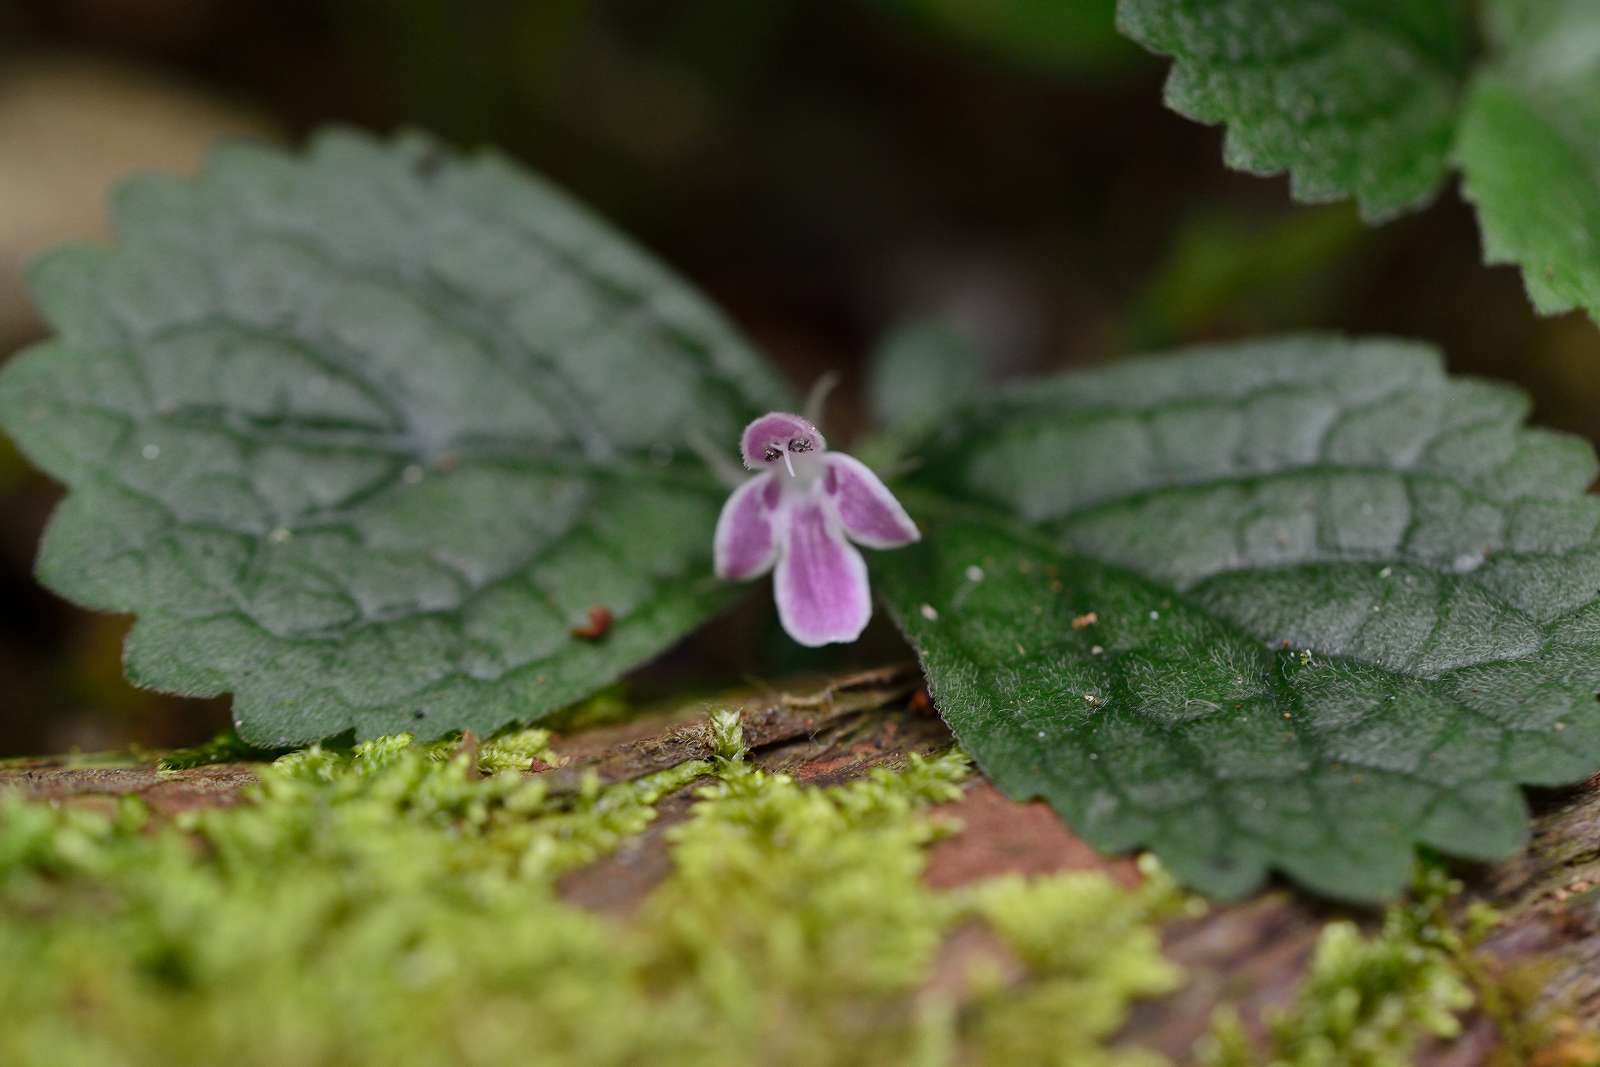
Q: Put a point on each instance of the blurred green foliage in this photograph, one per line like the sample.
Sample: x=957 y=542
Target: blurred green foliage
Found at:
x=1371 y=1001
x=1051 y=36
x=1231 y=273
x=821 y=169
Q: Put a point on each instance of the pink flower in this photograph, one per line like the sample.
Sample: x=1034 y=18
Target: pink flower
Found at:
x=797 y=513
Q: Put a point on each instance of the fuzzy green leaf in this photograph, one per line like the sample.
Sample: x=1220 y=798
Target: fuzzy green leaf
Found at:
x=1342 y=605
x=1529 y=149
x=1354 y=98
x=362 y=437
x=922 y=369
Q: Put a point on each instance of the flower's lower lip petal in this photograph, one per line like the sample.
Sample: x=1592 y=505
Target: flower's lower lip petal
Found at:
x=821 y=585
x=868 y=511
x=746 y=541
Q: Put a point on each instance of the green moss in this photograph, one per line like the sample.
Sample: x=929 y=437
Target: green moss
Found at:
x=1092 y=947
x=609 y=705
x=1369 y=1002
x=395 y=903
x=380 y=905
x=226 y=747
x=511 y=751
x=516 y=751
x=800 y=912
x=727 y=735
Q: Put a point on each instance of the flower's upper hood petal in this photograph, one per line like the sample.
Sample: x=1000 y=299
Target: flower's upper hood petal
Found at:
x=777 y=428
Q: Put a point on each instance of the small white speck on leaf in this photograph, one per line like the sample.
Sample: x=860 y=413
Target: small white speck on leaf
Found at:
x=929 y=612
x=1095 y=650
x=974 y=573
x=150 y=451
x=1154 y=615
x=1386 y=572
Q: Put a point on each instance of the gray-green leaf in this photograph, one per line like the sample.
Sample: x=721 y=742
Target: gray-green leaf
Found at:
x=922 y=369
x=1296 y=605
x=1529 y=149
x=1354 y=98
x=362 y=437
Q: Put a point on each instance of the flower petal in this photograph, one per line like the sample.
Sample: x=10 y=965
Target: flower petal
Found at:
x=821 y=582
x=776 y=428
x=746 y=541
x=869 y=512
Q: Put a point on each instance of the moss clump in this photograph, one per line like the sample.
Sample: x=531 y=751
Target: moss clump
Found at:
x=1368 y=1002
x=800 y=912
x=226 y=747
x=394 y=904
x=376 y=906
x=1093 y=948
x=512 y=751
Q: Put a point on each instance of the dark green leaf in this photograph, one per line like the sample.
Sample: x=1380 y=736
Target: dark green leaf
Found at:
x=362 y=437
x=1529 y=149
x=1354 y=98
x=1343 y=605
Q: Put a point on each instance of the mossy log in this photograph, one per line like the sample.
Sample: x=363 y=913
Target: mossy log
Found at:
x=1538 y=978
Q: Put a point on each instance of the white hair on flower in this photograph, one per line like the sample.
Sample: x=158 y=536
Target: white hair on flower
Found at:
x=800 y=513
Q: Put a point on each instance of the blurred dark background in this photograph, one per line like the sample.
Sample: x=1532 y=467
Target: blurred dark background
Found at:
x=822 y=168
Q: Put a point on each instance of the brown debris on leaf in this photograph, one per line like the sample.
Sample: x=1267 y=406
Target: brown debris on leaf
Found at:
x=597 y=626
